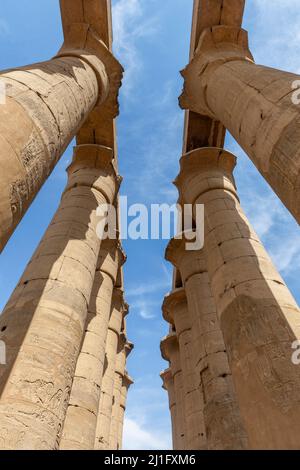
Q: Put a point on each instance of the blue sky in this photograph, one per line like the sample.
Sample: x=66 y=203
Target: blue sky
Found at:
x=152 y=42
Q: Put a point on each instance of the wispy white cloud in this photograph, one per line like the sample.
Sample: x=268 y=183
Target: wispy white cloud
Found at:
x=146 y=299
x=136 y=437
x=147 y=424
x=130 y=25
x=276 y=41
x=146 y=289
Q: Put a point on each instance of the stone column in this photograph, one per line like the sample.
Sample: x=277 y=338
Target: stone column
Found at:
x=43 y=322
x=118 y=383
x=222 y=421
x=127 y=382
x=168 y=385
x=258 y=316
x=81 y=419
x=170 y=352
x=119 y=309
x=255 y=103
x=176 y=312
x=46 y=105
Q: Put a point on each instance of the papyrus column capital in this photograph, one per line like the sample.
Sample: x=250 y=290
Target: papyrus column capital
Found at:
x=111 y=258
x=217 y=46
x=203 y=170
x=167 y=378
x=93 y=166
x=188 y=262
x=175 y=310
x=119 y=310
x=82 y=41
x=126 y=348
x=170 y=352
x=127 y=381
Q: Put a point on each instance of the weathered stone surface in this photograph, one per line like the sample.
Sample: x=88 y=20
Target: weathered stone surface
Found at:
x=86 y=388
x=253 y=102
x=113 y=342
x=176 y=312
x=48 y=103
x=258 y=316
x=125 y=350
x=127 y=382
x=45 y=107
x=213 y=393
x=170 y=352
x=44 y=322
x=168 y=385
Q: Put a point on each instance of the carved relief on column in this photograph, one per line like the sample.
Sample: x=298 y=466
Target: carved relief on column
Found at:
x=119 y=310
x=170 y=352
x=176 y=312
x=258 y=316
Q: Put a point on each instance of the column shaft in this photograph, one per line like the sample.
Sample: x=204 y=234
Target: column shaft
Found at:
x=46 y=104
x=170 y=352
x=114 y=443
x=176 y=312
x=223 y=424
x=168 y=385
x=43 y=323
x=127 y=382
x=81 y=418
x=255 y=103
x=107 y=386
x=258 y=316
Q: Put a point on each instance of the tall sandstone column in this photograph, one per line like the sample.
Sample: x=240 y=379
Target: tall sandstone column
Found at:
x=43 y=322
x=46 y=105
x=122 y=355
x=220 y=412
x=114 y=341
x=258 y=316
x=255 y=103
x=176 y=312
x=170 y=352
x=168 y=385
x=81 y=419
